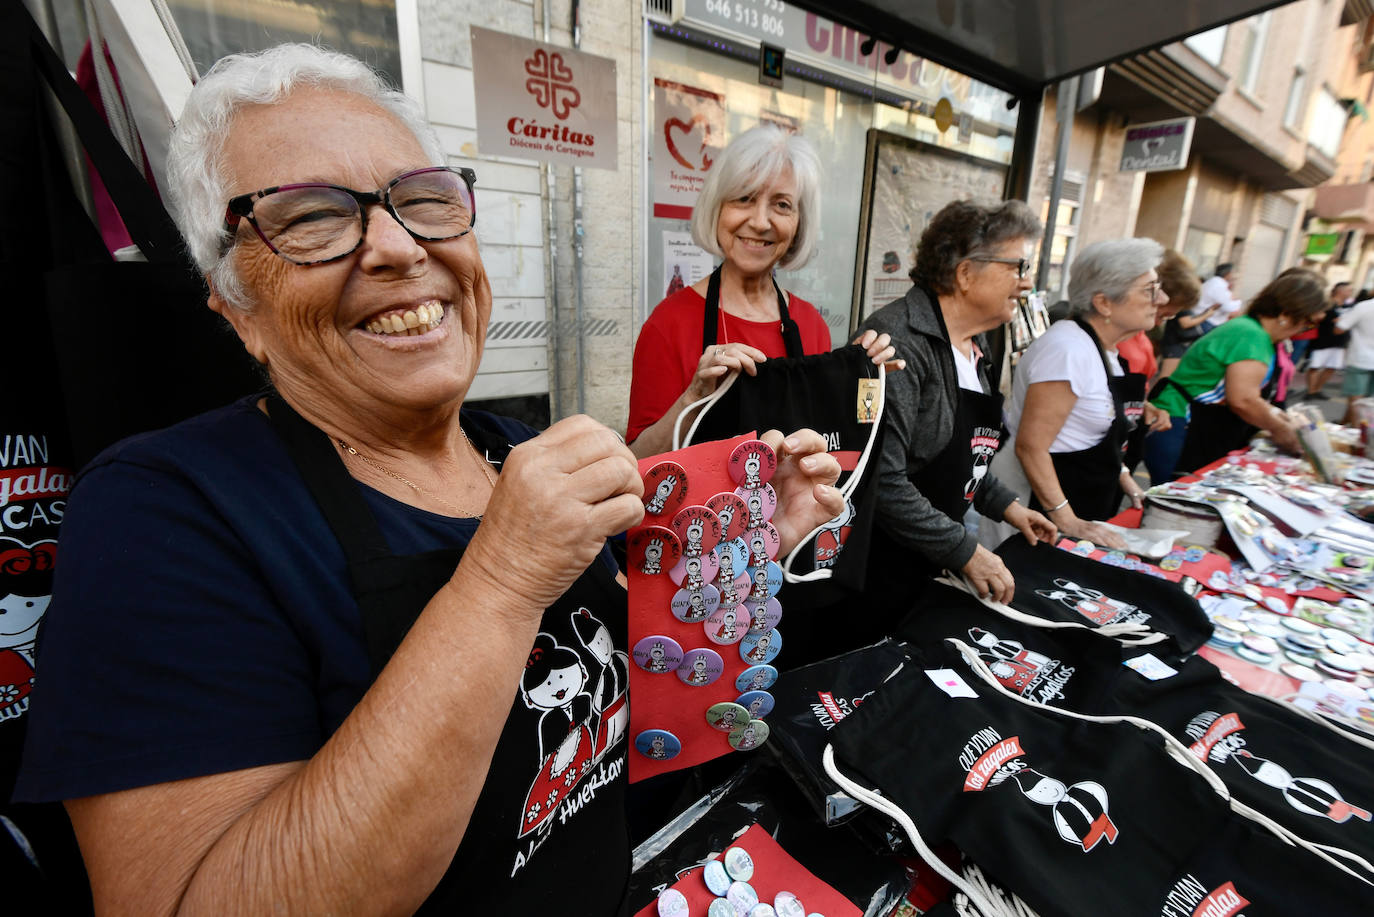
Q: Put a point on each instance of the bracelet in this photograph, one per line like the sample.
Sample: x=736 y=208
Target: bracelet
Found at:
x=1054 y=509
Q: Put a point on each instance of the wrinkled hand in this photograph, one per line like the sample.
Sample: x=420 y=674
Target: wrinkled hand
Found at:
x=1155 y=419
x=1095 y=532
x=559 y=497
x=1035 y=526
x=988 y=576
x=1285 y=435
x=716 y=362
x=880 y=350
x=804 y=483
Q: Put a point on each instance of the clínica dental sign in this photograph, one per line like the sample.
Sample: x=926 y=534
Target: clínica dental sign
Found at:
x=1159 y=146
x=544 y=102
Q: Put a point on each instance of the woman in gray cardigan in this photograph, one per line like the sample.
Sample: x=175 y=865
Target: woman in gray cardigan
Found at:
x=943 y=423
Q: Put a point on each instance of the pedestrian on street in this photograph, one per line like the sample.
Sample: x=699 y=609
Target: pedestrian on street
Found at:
x=1328 y=347
x=1359 y=354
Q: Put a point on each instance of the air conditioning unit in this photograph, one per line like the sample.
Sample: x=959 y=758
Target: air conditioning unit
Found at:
x=667 y=12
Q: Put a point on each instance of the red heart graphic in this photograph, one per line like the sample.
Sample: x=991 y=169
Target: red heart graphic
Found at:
x=559 y=70
x=540 y=90
x=565 y=99
x=686 y=127
x=538 y=64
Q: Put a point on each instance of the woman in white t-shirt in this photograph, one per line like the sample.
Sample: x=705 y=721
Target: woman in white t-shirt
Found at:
x=1073 y=407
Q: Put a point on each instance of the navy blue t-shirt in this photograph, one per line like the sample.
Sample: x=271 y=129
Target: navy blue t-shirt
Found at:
x=203 y=622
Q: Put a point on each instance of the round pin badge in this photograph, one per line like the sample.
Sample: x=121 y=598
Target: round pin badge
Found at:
x=1194 y=554
x=658 y=654
x=742 y=896
x=1339 y=641
x=1301 y=658
x=726 y=716
x=1249 y=655
x=716 y=878
x=760 y=648
x=761 y=503
x=691 y=606
x=658 y=744
x=788 y=905
x=756 y=678
x=727 y=625
x=763 y=544
x=652 y=549
x=732 y=511
x=1260 y=643
x=762 y=909
x=752 y=463
x=763 y=615
x=700 y=667
x=1344 y=689
x=1171 y=563
x=665 y=489
x=721 y=908
x=698 y=528
x=732 y=559
x=739 y=864
x=1230 y=623
x=764 y=582
x=1299 y=672
x=1084 y=548
x=749 y=736
x=691 y=573
x=1298 y=625
x=758 y=703
x=673 y=903
x=1276 y=604
x=1225 y=638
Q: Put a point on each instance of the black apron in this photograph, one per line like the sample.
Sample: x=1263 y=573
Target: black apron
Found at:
x=791 y=334
x=1213 y=429
x=949 y=481
x=1090 y=478
x=391 y=592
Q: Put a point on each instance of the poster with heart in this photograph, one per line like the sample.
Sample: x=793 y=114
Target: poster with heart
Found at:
x=543 y=102
x=689 y=132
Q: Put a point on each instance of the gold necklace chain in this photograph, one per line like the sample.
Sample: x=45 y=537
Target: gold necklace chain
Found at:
x=486 y=470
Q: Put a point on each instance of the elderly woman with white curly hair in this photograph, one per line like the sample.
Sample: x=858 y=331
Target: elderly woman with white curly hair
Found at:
x=356 y=648
x=1075 y=408
x=758 y=211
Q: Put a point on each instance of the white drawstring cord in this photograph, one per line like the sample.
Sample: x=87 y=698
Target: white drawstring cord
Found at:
x=846 y=491
x=872 y=799
x=1127 y=633
x=973 y=875
x=1178 y=751
x=705 y=404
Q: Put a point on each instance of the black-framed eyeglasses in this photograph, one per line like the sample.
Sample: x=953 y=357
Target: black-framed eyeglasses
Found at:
x=315 y=222
x=1021 y=264
x=1152 y=289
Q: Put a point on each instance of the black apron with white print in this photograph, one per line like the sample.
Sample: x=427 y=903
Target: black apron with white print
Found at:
x=1091 y=477
x=1312 y=780
x=556 y=785
x=1062 y=586
x=1075 y=818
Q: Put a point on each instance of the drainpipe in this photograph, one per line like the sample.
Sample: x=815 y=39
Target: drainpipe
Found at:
x=555 y=339
x=1065 y=106
x=578 y=235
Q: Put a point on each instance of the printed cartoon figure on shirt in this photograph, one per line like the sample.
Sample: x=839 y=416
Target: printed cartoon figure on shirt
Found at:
x=25 y=591
x=610 y=713
x=1097 y=607
x=661 y=495
x=1219 y=739
x=553 y=684
x=983 y=446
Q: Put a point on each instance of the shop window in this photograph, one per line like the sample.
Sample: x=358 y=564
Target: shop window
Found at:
x=1203 y=248
x=365 y=29
x=1065 y=243
x=1208 y=45
x=1254 y=31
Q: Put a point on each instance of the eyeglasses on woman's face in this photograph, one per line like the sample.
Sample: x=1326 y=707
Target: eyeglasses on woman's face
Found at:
x=1021 y=264
x=314 y=222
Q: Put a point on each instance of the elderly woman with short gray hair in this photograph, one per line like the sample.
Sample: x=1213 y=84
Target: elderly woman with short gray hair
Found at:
x=943 y=420
x=1074 y=406
x=758 y=211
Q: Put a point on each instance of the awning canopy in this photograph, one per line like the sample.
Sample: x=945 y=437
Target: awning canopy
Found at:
x=1022 y=46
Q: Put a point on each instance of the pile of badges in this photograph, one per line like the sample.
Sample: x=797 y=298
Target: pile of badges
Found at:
x=728 y=879
x=722 y=554
x=1293 y=644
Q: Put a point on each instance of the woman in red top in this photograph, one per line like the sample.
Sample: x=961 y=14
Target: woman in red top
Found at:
x=757 y=212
